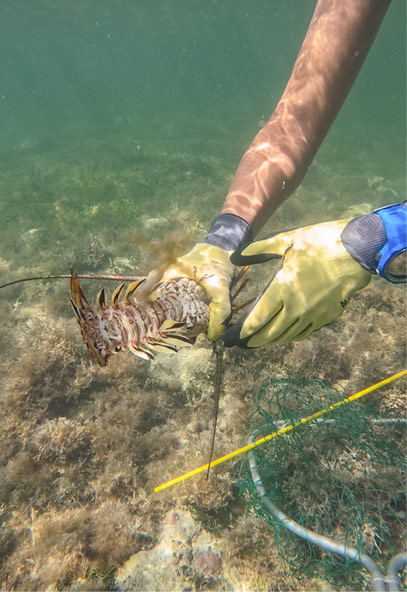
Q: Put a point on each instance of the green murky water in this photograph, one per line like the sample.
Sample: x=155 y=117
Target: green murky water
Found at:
x=113 y=111
x=121 y=120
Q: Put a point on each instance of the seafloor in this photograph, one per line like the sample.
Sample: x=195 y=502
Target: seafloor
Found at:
x=82 y=448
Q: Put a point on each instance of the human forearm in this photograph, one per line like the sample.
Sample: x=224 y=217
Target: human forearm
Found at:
x=337 y=42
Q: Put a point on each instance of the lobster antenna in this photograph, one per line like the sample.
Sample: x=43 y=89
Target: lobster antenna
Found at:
x=218 y=351
x=82 y=276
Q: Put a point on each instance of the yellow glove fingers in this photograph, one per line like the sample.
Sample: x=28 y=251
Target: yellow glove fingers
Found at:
x=305 y=333
x=275 y=245
x=264 y=311
x=220 y=308
x=219 y=313
x=275 y=331
x=296 y=332
x=211 y=267
x=217 y=286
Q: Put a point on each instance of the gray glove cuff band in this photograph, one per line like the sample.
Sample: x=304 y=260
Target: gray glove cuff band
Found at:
x=363 y=238
x=228 y=232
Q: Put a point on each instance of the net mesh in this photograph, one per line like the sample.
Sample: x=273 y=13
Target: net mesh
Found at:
x=344 y=479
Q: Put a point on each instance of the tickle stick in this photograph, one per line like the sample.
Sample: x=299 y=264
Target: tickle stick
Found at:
x=218 y=351
x=281 y=431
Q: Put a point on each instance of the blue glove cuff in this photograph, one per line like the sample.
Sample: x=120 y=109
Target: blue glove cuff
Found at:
x=363 y=237
x=378 y=242
x=394 y=219
x=228 y=232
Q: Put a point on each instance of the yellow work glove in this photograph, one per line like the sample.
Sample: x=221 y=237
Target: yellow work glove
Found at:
x=311 y=288
x=211 y=267
x=209 y=264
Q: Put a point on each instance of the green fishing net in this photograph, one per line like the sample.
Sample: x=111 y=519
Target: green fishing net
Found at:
x=342 y=477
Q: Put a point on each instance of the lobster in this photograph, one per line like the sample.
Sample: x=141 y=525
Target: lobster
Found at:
x=144 y=321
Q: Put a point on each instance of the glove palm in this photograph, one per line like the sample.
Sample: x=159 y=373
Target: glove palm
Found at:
x=310 y=290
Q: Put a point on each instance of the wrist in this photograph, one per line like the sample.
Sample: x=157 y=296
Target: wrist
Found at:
x=377 y=240
x=392 y=257
x=228 y=232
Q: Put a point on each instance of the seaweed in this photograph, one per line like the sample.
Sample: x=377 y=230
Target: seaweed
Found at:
x=81 y=449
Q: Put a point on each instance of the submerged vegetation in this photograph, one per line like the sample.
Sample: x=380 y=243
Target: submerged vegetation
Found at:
x=82 y=448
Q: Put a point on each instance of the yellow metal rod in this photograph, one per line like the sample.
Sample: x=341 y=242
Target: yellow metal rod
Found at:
x=283 y=430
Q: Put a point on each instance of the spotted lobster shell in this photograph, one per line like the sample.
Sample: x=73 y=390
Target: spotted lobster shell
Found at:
x=162 y=321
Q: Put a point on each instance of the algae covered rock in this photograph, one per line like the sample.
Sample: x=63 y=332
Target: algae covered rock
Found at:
x=185 y=557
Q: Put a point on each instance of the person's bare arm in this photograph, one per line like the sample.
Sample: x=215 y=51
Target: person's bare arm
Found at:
x=337 y=42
